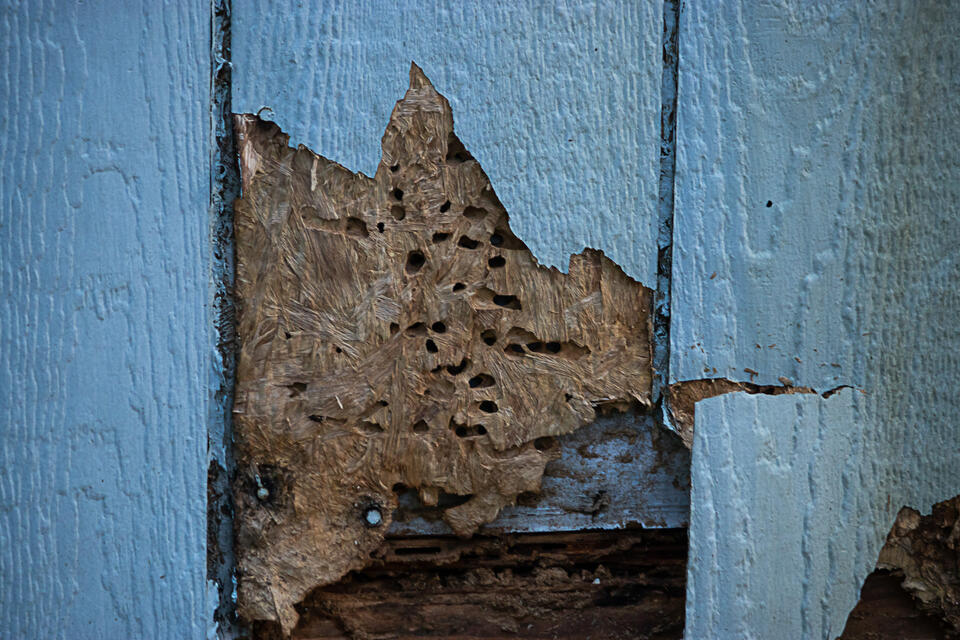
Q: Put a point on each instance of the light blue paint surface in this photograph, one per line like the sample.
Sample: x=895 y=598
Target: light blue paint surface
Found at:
x=106 y=348
x=844 y=116
x=778 y=542
x=560 y=102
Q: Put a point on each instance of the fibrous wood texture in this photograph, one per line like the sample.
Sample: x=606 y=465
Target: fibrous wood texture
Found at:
x=926 y=551
x=396 y=333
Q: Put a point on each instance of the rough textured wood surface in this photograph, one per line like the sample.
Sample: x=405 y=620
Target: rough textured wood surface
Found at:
x=622 y=470
x=106 y=342
x=600 y=585
x=926 y=551
x=887 y=612
x=394 y=331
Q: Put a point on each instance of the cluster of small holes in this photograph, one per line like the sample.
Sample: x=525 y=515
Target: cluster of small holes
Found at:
x=465 y=431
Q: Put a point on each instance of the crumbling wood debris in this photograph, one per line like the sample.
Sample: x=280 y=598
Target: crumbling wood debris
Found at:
x=394 y=331
x=926 y=550
x=617 y=584
x=915 y=590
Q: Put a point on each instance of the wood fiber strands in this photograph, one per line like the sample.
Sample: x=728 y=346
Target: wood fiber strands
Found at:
x=396 y=334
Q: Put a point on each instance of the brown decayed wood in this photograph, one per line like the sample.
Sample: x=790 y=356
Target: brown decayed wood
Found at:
x=395 y=331
x=588 y=584
x=926 y=550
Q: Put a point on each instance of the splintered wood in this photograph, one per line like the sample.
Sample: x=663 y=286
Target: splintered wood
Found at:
x=396 y=334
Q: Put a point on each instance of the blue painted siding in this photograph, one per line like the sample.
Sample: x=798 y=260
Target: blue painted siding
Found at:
x=843 y=116
x=106 y=348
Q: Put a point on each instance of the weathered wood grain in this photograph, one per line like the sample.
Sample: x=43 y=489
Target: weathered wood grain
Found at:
x=106 y=346
x=394 y=331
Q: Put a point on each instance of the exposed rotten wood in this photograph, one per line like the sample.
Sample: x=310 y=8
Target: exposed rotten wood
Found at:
x=916 y=587
x=394 y=331
x=887 y=612
x=625 y=584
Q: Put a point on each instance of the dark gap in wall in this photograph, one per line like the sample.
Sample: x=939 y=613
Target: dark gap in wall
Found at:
x=598 y=584
x=224 y=189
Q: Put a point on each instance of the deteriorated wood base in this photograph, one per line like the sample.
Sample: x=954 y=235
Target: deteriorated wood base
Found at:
x=626 y=584
x=887 y=612
x=395 y=332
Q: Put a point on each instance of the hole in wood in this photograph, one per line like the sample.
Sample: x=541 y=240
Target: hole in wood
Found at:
x=432 y=346
x=415 y=262
x=496 y=262
x=438 y=327
x=420 y=427
x=467 y=242
x=357 y=227
x=474 y=213
x=297 y=388
x=398 y=212
x=445 y=207
x=440 y=236
x=488 y=406
x=481 y=381
x=456 y=370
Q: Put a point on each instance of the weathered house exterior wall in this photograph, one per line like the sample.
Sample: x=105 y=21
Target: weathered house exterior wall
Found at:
x=843 y=116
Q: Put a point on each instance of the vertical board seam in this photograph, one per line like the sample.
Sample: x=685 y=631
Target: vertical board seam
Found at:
x=224 y=189
x=665 y=208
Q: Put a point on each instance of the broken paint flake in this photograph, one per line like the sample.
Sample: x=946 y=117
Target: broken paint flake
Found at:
x=682 y=398
x=396 y=334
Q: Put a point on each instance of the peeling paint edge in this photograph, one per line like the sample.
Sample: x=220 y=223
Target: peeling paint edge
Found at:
x=223 y=623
